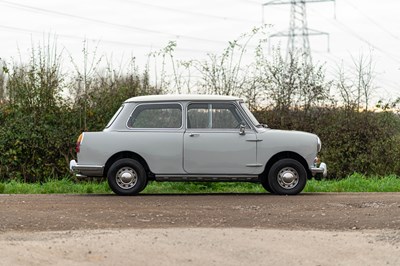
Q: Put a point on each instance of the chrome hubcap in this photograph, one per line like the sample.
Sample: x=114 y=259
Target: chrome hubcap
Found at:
x=288 y=178
x=126 y=178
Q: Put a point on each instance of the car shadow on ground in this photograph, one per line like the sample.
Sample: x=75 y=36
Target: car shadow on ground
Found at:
x=266 y=194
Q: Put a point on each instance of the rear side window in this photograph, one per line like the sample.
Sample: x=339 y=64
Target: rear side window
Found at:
x=156 y=116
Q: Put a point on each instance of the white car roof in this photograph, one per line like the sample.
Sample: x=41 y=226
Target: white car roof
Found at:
x=182 y=97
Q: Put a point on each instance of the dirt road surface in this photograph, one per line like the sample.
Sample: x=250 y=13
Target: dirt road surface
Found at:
x=216 y=229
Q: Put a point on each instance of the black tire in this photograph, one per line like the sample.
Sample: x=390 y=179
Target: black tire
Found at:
x=265 y=184
x=126 y=177
x=287 y=177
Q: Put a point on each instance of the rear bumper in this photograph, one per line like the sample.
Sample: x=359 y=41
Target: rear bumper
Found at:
x=85 y=170
x=320 y=171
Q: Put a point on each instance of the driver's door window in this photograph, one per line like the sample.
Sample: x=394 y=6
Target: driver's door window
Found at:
x=215 y=115
x=213 y=143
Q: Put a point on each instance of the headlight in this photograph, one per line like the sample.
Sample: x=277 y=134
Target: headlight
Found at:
x=319 y=144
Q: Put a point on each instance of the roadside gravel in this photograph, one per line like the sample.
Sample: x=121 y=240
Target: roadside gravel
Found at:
x=200 y=246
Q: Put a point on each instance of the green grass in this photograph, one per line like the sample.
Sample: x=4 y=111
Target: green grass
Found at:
x=63 y=186
x=206 y=187
x=353 y=183
x=356 y=183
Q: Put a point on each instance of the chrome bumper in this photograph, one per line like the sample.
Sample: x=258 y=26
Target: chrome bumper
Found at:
x=85 y=170
x=321 y=170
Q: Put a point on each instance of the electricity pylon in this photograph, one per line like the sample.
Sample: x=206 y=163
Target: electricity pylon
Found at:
x=298 y=31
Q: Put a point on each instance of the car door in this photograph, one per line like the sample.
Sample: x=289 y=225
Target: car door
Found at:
x=213 y=142
x=156 y=131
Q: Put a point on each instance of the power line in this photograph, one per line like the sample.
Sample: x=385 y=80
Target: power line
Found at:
x=53 y=12
x=190 y=12
x=373 y=21
x=285 y=2
x=356 y=35
x=359 y=37
x=389 y=84
x=12 y=28
x=252 y=2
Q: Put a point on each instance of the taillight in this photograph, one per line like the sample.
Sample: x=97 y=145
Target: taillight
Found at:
x=78 y=143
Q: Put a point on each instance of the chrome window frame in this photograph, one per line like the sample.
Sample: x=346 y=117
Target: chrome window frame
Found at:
x=158 y=128
x=240 y=112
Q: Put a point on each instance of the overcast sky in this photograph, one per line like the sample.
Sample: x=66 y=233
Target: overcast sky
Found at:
x=130 y=27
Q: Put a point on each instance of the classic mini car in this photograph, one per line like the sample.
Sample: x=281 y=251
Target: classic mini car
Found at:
x=195 y=138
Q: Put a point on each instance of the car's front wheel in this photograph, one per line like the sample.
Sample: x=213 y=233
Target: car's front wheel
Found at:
x=287 y=177
x=126 y=177
x=265 y=184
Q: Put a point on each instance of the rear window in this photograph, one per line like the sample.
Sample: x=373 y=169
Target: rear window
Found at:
x=156 y=116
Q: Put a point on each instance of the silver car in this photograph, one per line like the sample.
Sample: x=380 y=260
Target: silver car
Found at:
x=195 y=138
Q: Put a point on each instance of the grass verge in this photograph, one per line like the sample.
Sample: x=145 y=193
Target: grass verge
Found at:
x=353 y=183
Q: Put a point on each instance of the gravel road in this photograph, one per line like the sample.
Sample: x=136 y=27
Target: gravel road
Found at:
x=214 y=229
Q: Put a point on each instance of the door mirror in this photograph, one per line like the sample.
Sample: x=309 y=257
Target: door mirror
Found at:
x=242 y=129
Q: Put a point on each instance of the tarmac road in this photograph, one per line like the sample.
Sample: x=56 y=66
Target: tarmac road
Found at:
x=324 y=211
x=213 y=229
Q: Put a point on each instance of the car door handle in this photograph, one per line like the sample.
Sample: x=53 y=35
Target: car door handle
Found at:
x=194 y=134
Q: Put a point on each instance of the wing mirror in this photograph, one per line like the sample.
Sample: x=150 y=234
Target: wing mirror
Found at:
x=242 y=129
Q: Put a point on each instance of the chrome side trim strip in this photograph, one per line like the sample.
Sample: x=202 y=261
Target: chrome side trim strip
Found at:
x=216 y=178
x=254 y=165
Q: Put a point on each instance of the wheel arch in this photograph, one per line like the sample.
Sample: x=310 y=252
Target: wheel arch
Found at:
x=130 y=155
x=286 y=155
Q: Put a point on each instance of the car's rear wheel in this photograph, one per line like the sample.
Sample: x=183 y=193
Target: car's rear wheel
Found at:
x=127 y=177
x=287 y=177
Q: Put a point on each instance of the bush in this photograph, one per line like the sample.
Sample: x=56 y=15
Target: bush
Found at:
x=39 y=127
x=363 y=142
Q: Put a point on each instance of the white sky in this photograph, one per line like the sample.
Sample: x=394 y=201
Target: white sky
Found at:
x=136 y=27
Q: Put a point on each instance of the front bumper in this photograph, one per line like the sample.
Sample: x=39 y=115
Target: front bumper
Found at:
x=320 y=171
x=85 y=170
